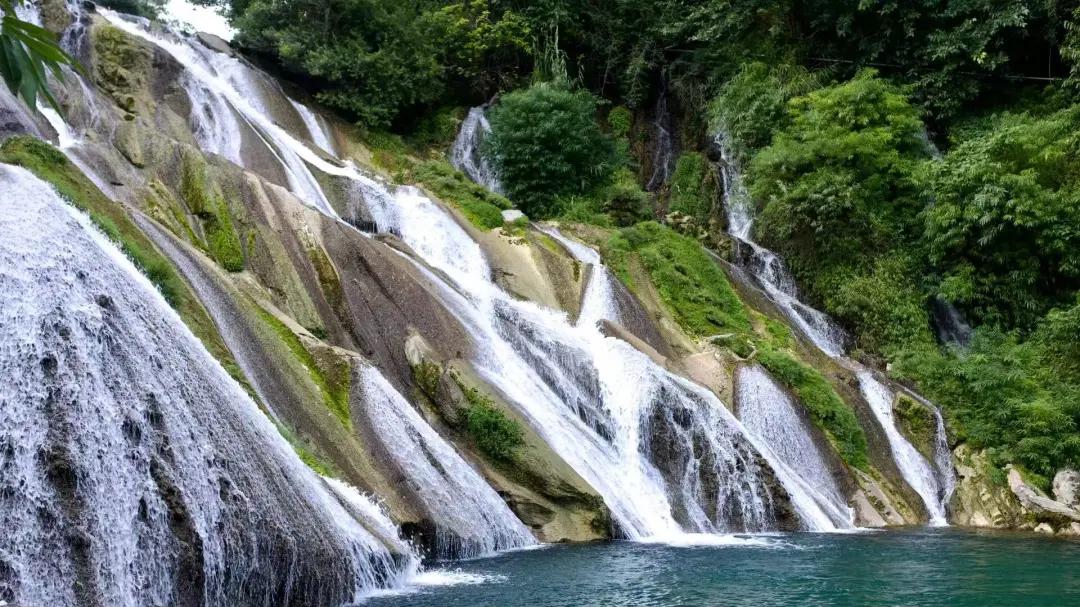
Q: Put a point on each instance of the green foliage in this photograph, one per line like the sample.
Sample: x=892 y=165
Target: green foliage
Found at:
x=481 y=207
x=752 y=105
x=825 y=406
x=693 y=186
x=1020 y=399
x=52 y=165
x=28 y=54
x=495 y=434
x=1004 y=229
x=545 y=143
x=374 y=58
x=691 y=285
x=620 y=120
x=437 y=129
x=837 y=183
x=883 y=302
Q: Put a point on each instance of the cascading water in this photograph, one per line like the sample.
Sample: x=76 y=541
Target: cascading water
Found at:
x=705 y=475
x=316 y=126
x=471 y=519
x=777 y=282
x=466 y=154
x=665 y=454
x=664 y=153
x=216 y=83
x=133 y=469
x=769 y=413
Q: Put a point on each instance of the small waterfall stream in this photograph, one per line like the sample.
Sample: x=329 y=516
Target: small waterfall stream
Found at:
x=130 y=462
x=770 y=273
x=466 y=155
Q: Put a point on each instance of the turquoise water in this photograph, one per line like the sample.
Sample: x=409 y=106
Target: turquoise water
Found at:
x=917 y=567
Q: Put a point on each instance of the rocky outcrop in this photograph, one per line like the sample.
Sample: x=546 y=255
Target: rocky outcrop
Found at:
x=981 y=499
x=538 y=485
x=1044 y=509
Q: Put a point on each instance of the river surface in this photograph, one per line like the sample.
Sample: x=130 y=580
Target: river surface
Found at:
x=916 y=567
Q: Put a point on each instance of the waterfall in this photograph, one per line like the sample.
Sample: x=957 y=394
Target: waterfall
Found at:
x=224 y=83
x=768 y=412
x=664 y=154
x=471 y=519
x=665 y=454
x=316 y=126
x=466 y=154
x=949 y=324
x=771 y=274
x=133 y=469
x=916 y=470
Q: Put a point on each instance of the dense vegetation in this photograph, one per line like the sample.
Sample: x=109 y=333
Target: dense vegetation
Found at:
x=900 y=155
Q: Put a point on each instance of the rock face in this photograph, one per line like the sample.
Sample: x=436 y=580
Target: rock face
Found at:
x=979 y=501
x=1067 y=487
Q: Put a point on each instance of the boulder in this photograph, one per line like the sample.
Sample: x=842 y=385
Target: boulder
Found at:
x=1067 y=487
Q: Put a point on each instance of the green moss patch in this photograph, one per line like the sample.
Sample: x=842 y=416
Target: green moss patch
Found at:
x=495 y=434
x=826 y=408
x=120 y=65
x=690 y=284
x=693 y=186
x=333 y=386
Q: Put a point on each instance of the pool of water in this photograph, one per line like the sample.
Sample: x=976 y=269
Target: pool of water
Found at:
x=915 y=567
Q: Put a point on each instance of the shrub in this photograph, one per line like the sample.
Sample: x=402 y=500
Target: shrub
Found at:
x=753 y=105
x=495 y=434
x=545 y=143
x=619 y=121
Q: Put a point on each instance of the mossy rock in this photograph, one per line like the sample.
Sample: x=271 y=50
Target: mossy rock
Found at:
x=205 y=200
x=121 y=67
x=917 y=422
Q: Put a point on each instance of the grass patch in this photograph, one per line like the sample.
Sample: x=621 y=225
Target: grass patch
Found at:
x=482 y=208
x=825 y=406
x=692 y=286
x=335 y=393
